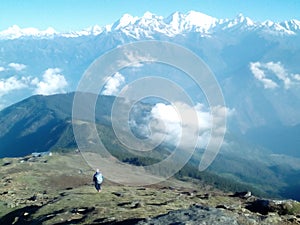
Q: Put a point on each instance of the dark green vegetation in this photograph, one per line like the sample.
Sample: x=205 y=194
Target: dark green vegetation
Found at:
x=43 y=123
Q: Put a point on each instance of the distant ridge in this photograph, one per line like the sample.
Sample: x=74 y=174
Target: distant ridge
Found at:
x=41 y=123
x=176 y=23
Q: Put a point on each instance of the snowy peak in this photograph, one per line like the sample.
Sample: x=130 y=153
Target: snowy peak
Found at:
x=137 y=27
x=148 y=16
x=149 y=21
x=200 y=20
x=93 y=30
x=241 y=19
x=293 y=25
x=174 y=24
x=124 y=21
x=150 y=25
x=15 y=31
x=192 y=21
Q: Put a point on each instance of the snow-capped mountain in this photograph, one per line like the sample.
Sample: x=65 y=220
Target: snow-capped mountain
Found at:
x=150 y=24
x=15 y=32
x=256 y=63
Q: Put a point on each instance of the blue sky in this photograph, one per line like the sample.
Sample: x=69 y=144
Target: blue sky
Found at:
x=65 y=15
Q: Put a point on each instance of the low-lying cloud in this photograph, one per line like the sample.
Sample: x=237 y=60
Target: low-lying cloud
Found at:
x=52 y=82
x=17 y=66
x=113 y=84
x=13 y=83
x=296 y=77
x=264 y=72
x=173 y=125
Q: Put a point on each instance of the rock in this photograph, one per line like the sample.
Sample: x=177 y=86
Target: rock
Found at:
x=158 y=203
x=205 y=196
x=248 y=194
x=32 y=198
x=136 y=205
x=4 y=193
x=244 y=194
x=265 y=207
x=119 y=194
x=222 y=207
x=141 y=189
x=292 y=219
x=121 y=204
x=63 y=194
x=83 y=210
x=189 y=193
x=7 y=180
x=259 y=206
x=285 y=207
x=6 y=163
x=195 y=215
x=11 y=205
x=69 y=188
x=15 y=220
x=274 y=219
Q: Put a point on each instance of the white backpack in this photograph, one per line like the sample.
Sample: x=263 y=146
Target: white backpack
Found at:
x=99 y=178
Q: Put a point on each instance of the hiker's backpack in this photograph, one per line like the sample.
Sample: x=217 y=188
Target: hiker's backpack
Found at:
x=99 y=178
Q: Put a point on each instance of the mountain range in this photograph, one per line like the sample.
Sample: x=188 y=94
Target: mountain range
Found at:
x=255 y=63
x=44 y=123
x=149 y=25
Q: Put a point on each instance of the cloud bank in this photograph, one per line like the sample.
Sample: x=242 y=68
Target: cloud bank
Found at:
x=273 y=75
x=113 y=84
x=13 y=83
x=53 y=82
x=17 y=66
x=172 y=127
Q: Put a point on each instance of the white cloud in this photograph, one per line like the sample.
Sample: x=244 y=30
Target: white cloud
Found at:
x=259 y=74
x=171 y=128
x=53 y=82
x=2 y=69
x=17 y=66
x=12 y=83
x=168 y=123
x=113 y=84
x=275 y=69
x=134 y=57
x=296 y=77
x=280 y=72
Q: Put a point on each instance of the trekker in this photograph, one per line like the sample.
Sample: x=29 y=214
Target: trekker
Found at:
x=98 y=179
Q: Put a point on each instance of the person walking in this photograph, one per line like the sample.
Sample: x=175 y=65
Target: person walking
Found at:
x=98 y=179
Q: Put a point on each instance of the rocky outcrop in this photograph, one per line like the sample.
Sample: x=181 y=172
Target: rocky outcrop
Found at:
x=199 y=214
x=195 y=215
